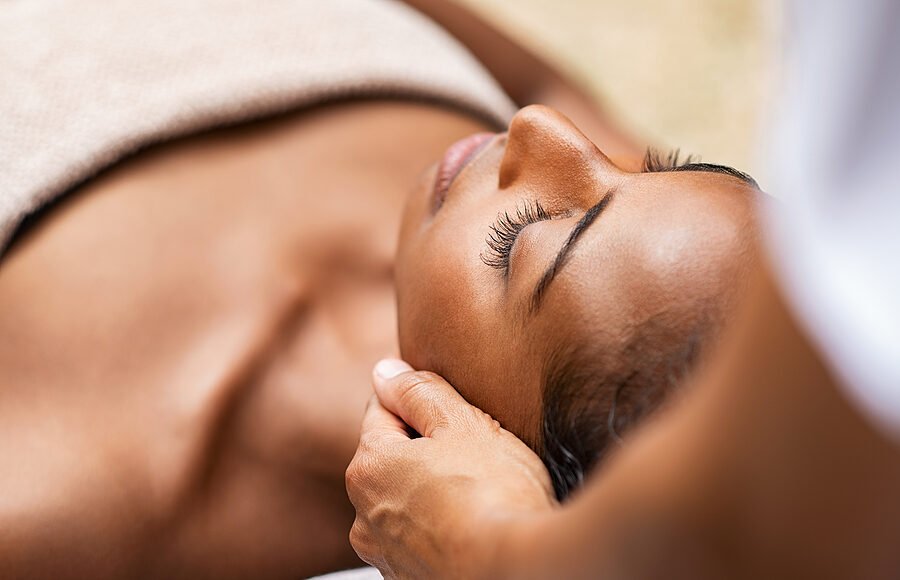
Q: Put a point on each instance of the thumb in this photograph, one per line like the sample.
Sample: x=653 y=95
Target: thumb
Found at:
x=424 y=400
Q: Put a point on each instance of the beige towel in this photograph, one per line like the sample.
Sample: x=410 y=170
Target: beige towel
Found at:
x=84 y=83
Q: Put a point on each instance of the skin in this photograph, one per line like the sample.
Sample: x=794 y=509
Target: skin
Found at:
x=666 y=244
x=185 y=347
x=183 y=365
x=185 y=340
x=762 y=470
x=182 y=353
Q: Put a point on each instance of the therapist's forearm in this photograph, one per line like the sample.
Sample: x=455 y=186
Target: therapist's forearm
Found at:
x=763 y=469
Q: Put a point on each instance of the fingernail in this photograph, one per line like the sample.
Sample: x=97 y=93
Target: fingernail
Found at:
x=390 y=367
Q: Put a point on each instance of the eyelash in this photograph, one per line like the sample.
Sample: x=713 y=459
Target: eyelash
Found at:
x=505 y=231
x=508 y=227
x=655 y=162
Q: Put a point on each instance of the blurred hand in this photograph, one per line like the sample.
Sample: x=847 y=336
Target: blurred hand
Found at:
x=440 y=505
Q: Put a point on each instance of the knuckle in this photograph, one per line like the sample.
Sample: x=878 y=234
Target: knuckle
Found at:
x=417 y=391
x=413 y=384
x=368 y=443
x=495 y=425
x=364 y=545
x=478 y=419
x=369 y=472
x=357 y=535
x=357 y=474
x=428 y=376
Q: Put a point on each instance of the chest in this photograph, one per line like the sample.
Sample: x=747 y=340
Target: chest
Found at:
x=188 y=339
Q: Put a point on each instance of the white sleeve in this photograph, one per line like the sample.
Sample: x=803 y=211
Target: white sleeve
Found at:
x=834 y=161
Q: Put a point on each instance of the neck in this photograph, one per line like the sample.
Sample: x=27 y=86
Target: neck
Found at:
x=223 y=298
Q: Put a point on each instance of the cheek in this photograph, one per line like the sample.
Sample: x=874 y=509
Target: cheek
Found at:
x=438 y=314
x=448 y=299
x=450 y=323
x=414 y=278
x=451 y=320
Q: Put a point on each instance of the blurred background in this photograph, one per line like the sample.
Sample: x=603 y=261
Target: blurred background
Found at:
x=693 y=74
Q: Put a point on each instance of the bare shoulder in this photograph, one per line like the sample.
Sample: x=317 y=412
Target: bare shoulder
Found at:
x=182 y=372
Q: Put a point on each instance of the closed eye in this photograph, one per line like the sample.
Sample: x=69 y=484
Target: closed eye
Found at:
x=506 y=229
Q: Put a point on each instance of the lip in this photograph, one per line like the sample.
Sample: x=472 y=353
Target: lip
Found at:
x=457 y=157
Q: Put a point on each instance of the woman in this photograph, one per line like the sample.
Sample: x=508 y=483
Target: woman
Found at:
x=782 y=460
x=593 y=295
x=186 y=334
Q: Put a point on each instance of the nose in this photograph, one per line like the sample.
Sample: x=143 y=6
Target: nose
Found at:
x=547 y=152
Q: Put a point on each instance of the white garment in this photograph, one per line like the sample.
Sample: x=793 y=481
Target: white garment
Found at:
x=835 y=161
x=358 y=574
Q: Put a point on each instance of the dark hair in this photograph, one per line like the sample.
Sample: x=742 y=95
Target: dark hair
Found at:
x=591 y=399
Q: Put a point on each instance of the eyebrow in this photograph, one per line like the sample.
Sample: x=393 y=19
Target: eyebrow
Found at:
x=540 y=289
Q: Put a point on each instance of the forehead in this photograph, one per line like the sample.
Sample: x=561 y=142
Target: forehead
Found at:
x=638 y=259
x=665 y=241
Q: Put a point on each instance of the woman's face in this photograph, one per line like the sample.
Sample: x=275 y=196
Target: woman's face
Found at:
x=540 y=243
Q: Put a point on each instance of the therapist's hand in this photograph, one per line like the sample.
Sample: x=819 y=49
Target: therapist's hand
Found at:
x=443 y=504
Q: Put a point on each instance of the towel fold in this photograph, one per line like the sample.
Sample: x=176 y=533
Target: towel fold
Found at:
x=87 y=83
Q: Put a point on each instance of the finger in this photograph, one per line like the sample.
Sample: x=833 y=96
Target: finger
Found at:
x=381 y=425
x=381 y=430
x=425 y=401
x=360 y=541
